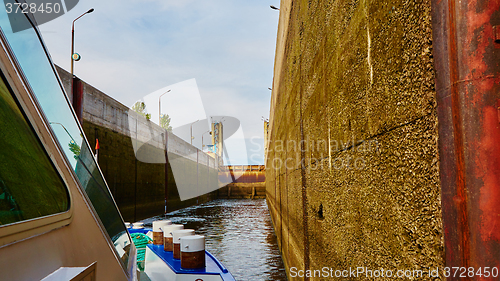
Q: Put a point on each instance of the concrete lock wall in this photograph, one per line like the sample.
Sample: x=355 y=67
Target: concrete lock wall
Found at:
x=352 y=178
x=139 y=187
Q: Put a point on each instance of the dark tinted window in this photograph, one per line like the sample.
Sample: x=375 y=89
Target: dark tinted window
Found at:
x=30 y=186
x=37 y=68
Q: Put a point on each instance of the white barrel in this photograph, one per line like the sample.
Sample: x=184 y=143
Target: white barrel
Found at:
x=168 y=244
x=177 y=234
x=167 y=229
x=158 y=224
x=193 y=243
x=138 y=225
x=157 y=233
x=192 y=250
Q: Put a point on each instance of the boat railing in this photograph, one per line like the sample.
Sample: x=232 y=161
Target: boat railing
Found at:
x=217 y=262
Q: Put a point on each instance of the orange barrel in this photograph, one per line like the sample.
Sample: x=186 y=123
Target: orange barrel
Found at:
x=193 y=251
x=157 y=233
x=176 y=235
x=167 y=236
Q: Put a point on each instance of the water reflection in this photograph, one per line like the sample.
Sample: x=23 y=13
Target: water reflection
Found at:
x=239 y=233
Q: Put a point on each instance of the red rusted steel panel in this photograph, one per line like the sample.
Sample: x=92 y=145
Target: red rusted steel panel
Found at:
x=467 y=59
x=78 y=98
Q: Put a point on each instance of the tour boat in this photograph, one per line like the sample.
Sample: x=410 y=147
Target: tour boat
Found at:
x=58 y=219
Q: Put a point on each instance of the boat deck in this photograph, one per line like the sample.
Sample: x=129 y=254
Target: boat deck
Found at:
x=213 y=266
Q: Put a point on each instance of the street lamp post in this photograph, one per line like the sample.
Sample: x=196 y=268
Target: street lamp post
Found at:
x=202 y=138
x=192 y=130
x=73 y=43
x=64 y=130
x=159 y=108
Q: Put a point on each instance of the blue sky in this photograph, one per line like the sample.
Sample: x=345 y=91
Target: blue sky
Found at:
x=132 y=48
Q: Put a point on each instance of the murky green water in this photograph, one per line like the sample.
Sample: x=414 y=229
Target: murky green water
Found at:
x=239 y=233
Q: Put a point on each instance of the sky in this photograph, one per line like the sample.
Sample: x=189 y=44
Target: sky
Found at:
x=215 y=56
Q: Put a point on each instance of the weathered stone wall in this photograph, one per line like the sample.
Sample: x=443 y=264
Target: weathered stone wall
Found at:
x=137 y=187
x=352 y=176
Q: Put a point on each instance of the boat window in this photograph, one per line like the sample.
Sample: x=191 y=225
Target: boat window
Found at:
x=41 y=76
x=30 y=186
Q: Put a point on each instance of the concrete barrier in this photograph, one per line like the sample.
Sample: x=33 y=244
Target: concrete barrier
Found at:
x=125 y=138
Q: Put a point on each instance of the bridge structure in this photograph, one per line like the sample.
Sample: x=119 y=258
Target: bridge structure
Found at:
x=242 y=181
